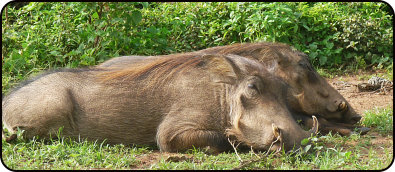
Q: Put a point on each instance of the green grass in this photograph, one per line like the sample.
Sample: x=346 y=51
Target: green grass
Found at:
x=324 y=152
x=325 y=73
x=65 y=154
x=381 y=119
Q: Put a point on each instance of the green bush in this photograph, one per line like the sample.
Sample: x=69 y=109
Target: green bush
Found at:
x=42 y=35
x=333 y=34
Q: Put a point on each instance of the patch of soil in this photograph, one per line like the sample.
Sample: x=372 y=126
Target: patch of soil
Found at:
x=149 y=159
x=146 y=160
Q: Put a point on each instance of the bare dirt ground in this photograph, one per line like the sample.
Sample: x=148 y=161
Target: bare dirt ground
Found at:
x=347 y=86
x=147 y=160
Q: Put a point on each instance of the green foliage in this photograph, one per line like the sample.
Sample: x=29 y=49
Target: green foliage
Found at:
x=42 y=35
x=390 y=71
x=333 y=34
x=366 y=35
x=381 y=119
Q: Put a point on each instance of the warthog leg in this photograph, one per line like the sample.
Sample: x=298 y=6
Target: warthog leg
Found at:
x=178 y=134
x=179 y=141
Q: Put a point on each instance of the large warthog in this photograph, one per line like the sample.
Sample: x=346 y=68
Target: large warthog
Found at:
x=178 y=102
x=310 y=95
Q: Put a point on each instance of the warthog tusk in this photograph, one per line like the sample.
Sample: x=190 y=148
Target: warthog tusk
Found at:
x=315 y=127
x=277 y=135
x=276 y=131
x=342 y=106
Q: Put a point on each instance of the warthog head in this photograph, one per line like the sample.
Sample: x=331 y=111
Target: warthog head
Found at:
x=259 y=115
x=312 y=95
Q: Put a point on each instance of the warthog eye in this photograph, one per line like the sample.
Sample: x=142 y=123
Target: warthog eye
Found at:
x=252 y=86
x=254 y=89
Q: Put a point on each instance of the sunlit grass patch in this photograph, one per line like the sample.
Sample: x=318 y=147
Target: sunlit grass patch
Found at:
x=379 y=118
x=67 y=154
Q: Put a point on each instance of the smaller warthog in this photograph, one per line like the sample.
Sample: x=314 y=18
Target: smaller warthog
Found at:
x=177 y=102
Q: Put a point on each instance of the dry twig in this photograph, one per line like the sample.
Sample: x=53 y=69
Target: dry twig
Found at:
x=246 y=163
x=234 y=148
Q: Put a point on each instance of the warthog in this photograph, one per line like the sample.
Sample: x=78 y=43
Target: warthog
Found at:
x=177 y=102
x=311 y=95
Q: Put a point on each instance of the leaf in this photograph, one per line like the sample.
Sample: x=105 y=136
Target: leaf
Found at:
x=24 y=45
x=305 y=26
x=329 y=45
x=338 y=59
x=54 y=53
x=145 y=4
x=74 y=155
x=307 y=148
x=338 y=51
x=296 y=29
x=313 y=55
x=33 y=5
x=347 y=154
x=136 y=17
x=305 y=141
x=313 y=46
x=314 y=139
x=95 y=15
x=380 y=49
x=318 y=147
x=309 y=39
x=323 y=60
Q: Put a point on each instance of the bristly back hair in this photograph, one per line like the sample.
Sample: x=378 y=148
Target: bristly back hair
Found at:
x=268 y=49
x=163 y=68
x=160 y=69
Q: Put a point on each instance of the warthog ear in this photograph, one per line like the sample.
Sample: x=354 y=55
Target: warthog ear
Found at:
x=267 y=56
x=222 y=69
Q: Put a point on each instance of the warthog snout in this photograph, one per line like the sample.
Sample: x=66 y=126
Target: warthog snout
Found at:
x=355 y=119
x=278 y=137
x=347 y=114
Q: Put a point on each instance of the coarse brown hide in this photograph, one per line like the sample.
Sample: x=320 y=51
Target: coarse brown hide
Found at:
x=178 y=102
x=310 y=95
